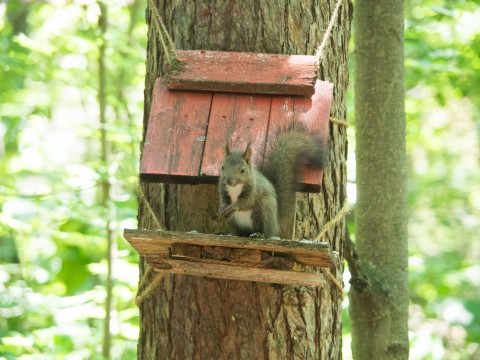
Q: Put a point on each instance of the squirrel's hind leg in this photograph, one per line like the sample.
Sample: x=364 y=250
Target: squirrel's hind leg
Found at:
x=270 y=226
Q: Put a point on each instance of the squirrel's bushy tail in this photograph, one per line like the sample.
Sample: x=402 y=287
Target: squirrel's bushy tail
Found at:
x=284 y=160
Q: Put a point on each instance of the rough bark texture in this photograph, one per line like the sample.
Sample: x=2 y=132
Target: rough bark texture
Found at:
x=379 y=308
x=196 y=318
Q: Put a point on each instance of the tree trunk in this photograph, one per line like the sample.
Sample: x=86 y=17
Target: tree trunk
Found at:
x=199 y=318
x=379 y=308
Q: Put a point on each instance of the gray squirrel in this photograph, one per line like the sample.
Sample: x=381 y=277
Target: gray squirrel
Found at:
x=256 y=201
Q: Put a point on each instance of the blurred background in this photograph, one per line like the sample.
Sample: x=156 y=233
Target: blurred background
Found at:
x=71 y=108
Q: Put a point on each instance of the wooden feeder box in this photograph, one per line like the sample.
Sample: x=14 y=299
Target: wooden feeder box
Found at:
x=213 y=98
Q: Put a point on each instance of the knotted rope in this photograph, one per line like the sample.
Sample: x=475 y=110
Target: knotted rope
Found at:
x=328 y=32
x=332 y=223
x=329 y=226
x=169 y=47
x=333 y=279
x=142 y=295
x=339 y=121
x=163 y=35
x=143 y=199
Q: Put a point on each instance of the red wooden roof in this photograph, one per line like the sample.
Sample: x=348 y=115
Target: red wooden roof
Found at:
x=187 y=130
x=244 y=72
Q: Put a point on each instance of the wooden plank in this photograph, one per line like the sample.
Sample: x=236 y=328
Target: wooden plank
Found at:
x=314 y=113
x=231 y=272
x=175 y=136
x=236 y=120
x=310 y=253
x=243 y=72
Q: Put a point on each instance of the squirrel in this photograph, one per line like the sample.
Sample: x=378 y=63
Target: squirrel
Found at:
x=257 y=200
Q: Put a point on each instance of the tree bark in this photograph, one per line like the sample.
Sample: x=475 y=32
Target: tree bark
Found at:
x=379 y=307
x=197 y=318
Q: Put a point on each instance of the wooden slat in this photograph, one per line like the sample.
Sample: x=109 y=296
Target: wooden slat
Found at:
x=231 y=272
x=242 y=72
x=176 y=135
x=314 y=113
x=310 y=253
x=238 y=120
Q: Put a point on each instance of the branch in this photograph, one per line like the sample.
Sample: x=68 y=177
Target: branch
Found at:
x=359 y=280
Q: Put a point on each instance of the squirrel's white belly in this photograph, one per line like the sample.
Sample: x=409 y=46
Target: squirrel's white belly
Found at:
x=243 y=219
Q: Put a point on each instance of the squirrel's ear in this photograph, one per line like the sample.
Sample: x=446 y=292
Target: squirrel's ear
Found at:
x=247 y=154
x=227 y=149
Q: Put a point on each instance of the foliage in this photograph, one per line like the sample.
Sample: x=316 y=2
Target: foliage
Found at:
x=52 y=224
x=52 y=227
x=443 y=108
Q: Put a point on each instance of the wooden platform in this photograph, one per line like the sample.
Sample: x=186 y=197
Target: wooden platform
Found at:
x=232 y=257
x=244 y=72
x=188 y=130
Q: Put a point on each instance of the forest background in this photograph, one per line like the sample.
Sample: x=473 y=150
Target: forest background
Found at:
x=54 y=212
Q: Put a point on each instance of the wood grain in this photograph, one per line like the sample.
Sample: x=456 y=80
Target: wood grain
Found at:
x=314 y=113
x=236 y=120
x=176 y=134
x=244 y=72
x=232 y=272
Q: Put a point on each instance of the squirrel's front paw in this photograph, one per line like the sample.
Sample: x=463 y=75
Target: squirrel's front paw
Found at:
x=226 y=210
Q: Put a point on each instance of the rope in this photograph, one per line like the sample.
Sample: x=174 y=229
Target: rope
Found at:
x=331 y=224
x=339 y=121
x=169 y=47
x=146 y=274
x=334 y=280
x=328 y=32
x=163 y=35
x=152 y=286
x=143 y=198
x=143 y=295
x=319 y=53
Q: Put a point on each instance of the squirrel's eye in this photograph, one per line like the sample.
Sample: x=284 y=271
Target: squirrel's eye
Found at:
x=222 y=168
x=242 y=170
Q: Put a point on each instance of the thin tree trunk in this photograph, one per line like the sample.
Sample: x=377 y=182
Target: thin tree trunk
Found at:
x=378 y=308
x=198 y=318
x=105 y=183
